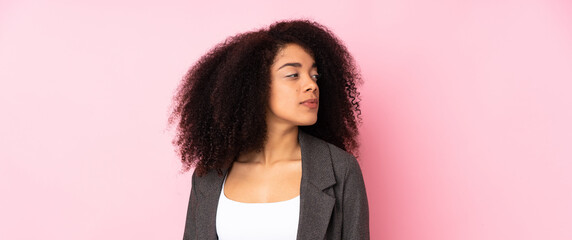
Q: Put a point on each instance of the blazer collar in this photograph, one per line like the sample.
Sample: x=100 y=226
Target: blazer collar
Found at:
x=317 y=198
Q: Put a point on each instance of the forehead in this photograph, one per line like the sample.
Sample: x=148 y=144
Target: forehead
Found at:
x=293 y=53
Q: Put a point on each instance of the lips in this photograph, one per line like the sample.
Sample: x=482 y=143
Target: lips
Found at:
x=311 y=100
x=311 y=103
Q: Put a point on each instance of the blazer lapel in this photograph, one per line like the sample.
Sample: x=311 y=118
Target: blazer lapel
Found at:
x=209 y=187
x=316 y=195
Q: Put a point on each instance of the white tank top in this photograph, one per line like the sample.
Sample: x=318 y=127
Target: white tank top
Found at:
x=257 y=221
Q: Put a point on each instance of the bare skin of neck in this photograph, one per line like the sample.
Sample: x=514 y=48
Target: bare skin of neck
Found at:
x=281 y=145
x=272 y=174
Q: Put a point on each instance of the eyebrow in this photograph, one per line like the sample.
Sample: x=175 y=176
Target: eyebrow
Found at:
x=295 y=64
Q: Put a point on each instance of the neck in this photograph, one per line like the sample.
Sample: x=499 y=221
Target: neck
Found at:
x=281 y=145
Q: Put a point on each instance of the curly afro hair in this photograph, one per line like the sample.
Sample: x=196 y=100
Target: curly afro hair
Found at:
x=220 y=104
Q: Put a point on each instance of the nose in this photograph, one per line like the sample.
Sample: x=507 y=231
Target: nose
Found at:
x=310 y=85
x=311 y=89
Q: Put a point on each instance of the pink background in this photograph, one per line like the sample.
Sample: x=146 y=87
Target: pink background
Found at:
x=466 y=106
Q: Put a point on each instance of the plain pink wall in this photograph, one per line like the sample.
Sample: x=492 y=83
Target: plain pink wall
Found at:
x=466 y=106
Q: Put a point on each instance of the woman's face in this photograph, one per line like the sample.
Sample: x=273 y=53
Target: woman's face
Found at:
x=294 y=92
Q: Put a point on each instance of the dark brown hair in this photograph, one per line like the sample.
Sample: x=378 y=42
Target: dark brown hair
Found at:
x=220 y=104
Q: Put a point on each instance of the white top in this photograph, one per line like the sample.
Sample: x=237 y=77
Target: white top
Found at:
x=257 y=221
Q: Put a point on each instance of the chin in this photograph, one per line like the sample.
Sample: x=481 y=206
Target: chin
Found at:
x=307 y=122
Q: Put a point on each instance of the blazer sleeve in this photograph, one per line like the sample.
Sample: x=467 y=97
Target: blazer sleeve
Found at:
x=355 y=209
x=190 y=223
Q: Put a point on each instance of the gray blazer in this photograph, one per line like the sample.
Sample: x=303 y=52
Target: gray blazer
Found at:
x=333 y=199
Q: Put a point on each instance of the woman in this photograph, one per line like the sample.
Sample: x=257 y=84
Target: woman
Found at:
x=268 y=119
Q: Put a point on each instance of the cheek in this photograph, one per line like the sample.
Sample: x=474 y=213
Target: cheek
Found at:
x=279 y=96
x=283 y=98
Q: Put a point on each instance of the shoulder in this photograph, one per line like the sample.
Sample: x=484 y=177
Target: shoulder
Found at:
x=344 y=163
x=205 y=183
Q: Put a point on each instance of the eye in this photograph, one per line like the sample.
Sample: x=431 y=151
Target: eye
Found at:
x=295 y=75
x=316 y=77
